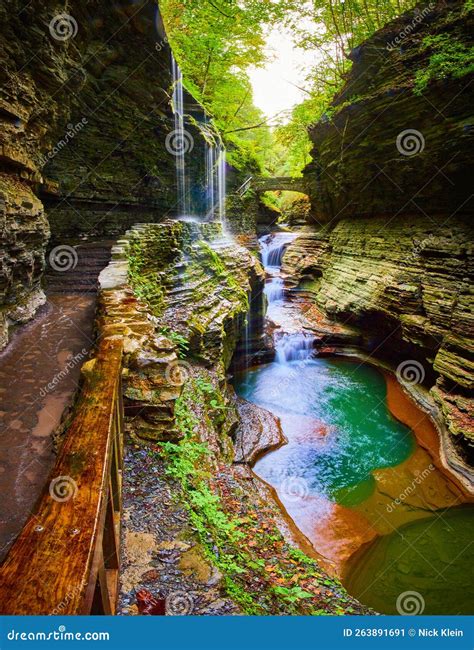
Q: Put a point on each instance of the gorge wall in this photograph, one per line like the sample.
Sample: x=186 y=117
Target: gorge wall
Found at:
x=84 y=114
x=196 y=521
x=389 y=245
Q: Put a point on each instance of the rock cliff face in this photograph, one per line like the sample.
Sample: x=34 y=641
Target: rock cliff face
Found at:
x=196 y=287
x=383 y=148
x=389 y=250
x=84 y=115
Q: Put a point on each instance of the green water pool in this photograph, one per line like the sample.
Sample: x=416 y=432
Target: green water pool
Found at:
x=334 y=414
x=344 y=400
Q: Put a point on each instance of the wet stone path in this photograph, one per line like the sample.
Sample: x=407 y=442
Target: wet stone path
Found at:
x=39 y=374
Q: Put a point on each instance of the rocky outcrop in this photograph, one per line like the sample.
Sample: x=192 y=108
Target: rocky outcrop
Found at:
x=171 y=290
x=258 y=432
x=384 y=149
x=24 y=232
x=389 y=251
x=84 y=118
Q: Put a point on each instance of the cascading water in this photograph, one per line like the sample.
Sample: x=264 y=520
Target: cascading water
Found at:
x=221 y=184
x=294 y=347
x=274 y=289
x=210 y=179
x=289 y=346
x=272 y=248
x=180 y=143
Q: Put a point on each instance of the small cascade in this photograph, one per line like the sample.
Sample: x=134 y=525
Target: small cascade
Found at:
x=273 y=248
x=210 y=179
x=274 y=289
x=297 y=346
x=289 y=345
x=180 y=144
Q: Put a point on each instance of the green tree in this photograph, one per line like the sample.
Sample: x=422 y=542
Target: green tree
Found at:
x=215 y=42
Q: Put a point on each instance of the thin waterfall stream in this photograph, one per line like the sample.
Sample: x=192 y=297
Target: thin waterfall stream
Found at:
x=209 y=203
x=354 y=442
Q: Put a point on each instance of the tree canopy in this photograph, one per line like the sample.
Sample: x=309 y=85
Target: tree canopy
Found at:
x=216 y=41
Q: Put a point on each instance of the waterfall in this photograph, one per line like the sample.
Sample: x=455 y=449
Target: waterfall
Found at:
x=180 y=143
x=289 y=346
x=294 y=347
x=273 y=247
x=274 y=289
x=210 y=179
x=221 y=184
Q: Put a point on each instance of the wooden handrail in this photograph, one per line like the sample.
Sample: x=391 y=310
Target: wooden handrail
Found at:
x=245 y=186
x=66 y=559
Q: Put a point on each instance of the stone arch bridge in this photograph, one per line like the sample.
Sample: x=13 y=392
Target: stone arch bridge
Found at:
x=262 y=184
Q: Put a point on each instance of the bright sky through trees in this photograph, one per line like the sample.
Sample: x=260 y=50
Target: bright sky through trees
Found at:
x=278 y=85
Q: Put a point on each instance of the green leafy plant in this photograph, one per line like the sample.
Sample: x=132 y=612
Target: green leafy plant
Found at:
x=179 y=340
x=449 y=58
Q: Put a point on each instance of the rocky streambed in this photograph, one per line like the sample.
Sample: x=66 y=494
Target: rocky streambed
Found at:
x=201 y=533
x=361 y=469
x=263 y=503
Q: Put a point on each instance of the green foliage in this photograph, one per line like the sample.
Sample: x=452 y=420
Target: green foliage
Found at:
x=212 y=260
x=179 y=340
x=186 y=462
x=144 y=282
x=215 y=43
x=332 y=29
x=449 y=58
x=292 y=594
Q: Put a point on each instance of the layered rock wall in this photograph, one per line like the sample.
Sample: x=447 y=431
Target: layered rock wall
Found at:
x=174 y=288
x=385 y=149
x=389 y=248
x=84 y=116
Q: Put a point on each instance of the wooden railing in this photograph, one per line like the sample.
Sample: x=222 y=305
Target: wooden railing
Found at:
x=66 y=559
x=244 y=187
